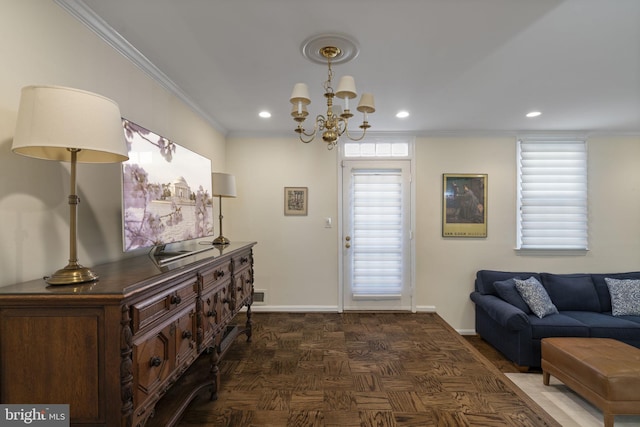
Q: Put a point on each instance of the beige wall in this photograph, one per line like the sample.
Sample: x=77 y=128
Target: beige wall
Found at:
x=42 y=44
x=296 y=260
x=296 y=257
x=446 y=267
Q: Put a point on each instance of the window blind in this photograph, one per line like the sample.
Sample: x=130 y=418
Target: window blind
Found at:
x=552 y=194
x=377 y=233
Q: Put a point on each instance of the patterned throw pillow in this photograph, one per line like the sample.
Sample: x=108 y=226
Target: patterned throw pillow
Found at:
x=536 y=297
x=625 y=296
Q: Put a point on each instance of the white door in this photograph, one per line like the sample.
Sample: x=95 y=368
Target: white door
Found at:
x=376 y=233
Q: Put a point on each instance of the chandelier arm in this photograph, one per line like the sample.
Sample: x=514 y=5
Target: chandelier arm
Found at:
x=318 y=124
x=306 y=141
x=364 y=132
x=343 y=125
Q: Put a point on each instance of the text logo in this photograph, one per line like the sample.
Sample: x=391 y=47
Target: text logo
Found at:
x=34 y=415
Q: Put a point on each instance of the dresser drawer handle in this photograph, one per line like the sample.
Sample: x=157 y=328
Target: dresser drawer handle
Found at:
x=219 y=273
x=244 y=260
x=155 y=361
x=211 y=313
x=187 y=335
x=176 y=299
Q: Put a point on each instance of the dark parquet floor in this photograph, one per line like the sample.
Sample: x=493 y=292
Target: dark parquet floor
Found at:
x=362 y=369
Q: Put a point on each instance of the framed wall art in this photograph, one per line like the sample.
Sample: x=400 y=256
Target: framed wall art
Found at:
x=296 y=200
x=464 y=205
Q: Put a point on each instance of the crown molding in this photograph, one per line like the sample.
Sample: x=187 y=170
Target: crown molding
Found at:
x=102 y=29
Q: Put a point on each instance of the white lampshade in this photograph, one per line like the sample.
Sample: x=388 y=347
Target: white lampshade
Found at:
x=366 y=104
x=52 y=119
x=300 y=94
x=224 y=185
x=346 y=88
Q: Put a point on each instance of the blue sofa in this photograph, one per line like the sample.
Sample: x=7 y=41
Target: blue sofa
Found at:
x=584 y=309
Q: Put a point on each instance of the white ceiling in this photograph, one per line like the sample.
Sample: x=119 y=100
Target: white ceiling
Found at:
x=455 y=65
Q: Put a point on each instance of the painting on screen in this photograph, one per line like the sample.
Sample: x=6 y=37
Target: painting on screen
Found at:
x=166 y=191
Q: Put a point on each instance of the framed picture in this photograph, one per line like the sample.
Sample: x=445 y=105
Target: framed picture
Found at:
x=296 y=200
x=464 y=205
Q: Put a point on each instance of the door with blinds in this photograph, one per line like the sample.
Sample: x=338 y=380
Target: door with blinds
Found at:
x=376 y=210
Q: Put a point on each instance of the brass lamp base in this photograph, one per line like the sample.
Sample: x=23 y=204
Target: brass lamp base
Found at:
x=72 y=274
x=221 y=240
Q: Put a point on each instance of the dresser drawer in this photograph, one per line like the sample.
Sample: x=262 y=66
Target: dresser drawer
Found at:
x=242 y=261
x=216 y=275
x=147 y=312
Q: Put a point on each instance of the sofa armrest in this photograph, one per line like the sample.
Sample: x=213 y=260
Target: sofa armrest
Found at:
x=505 y=314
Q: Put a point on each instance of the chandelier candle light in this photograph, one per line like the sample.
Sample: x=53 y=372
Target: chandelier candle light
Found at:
x=336 y=122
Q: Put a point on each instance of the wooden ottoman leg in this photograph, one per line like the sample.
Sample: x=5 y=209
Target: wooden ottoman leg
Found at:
x=608 y=419
x=545 y=378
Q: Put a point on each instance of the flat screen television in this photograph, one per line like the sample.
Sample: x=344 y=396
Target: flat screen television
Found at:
x=166 y=195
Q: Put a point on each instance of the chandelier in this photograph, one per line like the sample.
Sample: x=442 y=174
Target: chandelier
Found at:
x=335 y=122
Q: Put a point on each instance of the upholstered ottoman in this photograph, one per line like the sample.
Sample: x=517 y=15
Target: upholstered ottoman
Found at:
x=604 y=371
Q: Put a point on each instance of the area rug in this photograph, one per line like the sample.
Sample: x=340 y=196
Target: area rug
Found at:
x=565 y=406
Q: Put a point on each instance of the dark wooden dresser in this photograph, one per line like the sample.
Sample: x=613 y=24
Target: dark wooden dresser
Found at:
x=134 y=347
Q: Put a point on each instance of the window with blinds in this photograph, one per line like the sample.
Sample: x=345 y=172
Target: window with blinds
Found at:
x=552 y=194
x=377 y=234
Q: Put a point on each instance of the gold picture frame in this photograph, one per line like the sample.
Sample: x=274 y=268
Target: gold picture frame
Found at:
x=464 y=205
x=296 y=201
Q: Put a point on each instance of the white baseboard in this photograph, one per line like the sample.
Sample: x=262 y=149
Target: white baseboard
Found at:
x=295 y=308
x=426 y=309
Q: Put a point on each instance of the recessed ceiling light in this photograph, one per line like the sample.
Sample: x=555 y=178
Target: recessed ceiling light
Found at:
x=533 y=114
x=402 y=114
x=264 y=114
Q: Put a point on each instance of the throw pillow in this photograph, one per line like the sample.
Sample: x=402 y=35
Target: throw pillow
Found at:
x=536 y=297
x=625 y=296
x=506 y=290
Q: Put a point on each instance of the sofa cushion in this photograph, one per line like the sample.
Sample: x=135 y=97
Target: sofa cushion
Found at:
x=635 y=319
x=625 y=296
x=506 y=290
x=486 y=278
x=571 y=291
x=557 y=325
x=536 y=297
x=604 y=325
x=603 y=289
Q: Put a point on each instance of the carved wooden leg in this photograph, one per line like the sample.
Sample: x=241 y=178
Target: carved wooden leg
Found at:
x=215 y=371
x=249 y=324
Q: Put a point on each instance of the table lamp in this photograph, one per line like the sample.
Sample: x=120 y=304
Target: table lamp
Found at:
x=69 y=125
x=224 y=185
